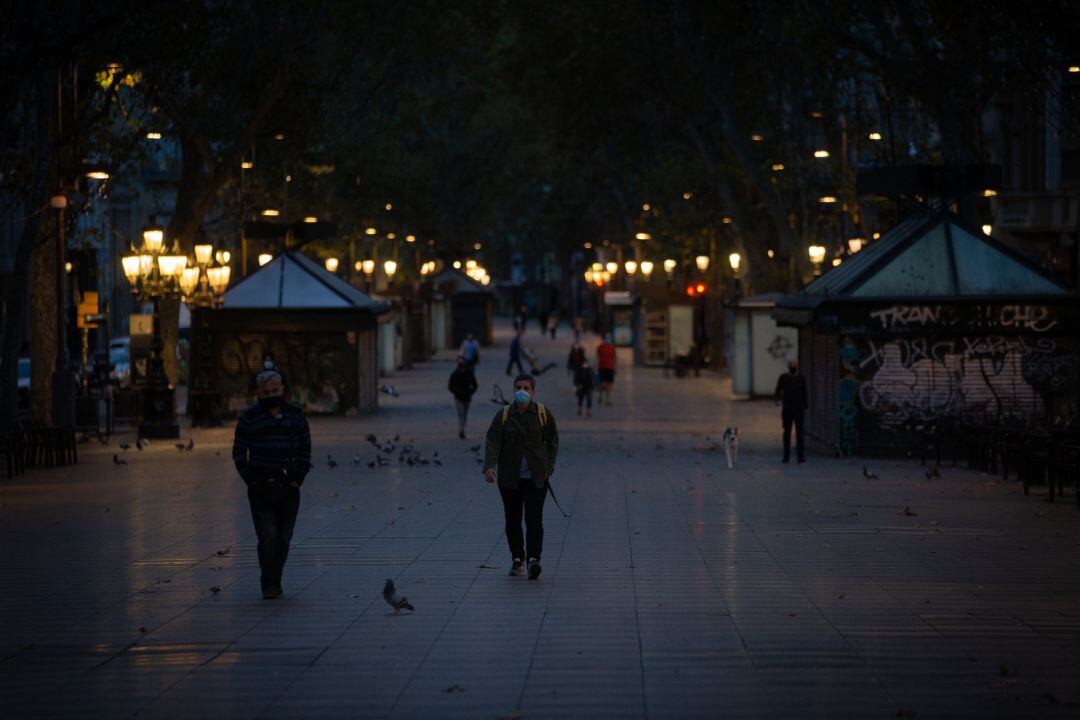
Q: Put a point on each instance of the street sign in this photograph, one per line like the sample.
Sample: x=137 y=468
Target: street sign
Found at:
x=88 y=305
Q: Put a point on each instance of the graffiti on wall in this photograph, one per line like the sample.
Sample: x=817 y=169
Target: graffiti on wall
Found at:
x=320 y=370
x=907 y=382
x=990 y=317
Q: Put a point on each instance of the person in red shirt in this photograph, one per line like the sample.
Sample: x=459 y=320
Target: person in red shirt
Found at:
x=605 y=366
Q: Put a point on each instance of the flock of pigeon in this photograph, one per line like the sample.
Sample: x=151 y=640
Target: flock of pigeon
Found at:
x=385 y=451
x=141 y=442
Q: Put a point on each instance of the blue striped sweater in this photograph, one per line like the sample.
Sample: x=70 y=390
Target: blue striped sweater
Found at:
x=266 y=447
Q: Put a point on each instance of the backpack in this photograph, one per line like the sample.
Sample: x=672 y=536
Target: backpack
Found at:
x=540 y=410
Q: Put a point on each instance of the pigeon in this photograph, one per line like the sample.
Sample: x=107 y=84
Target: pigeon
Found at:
x=389 y=448
x=397 y=437
x=190 y=444
x=181 y=447
x=407 y=449
x=117 y=461
x=371 y=438
x=497 y=396
x=125 y=447
x=383 y=462
x=138 y=444
x=869 y=475
x=475 y=448
x=933 y=473
x=438 y=462
x=389 y=390
x=371 y=464
x=393 y=599
x=356 y=459
x=330 y=462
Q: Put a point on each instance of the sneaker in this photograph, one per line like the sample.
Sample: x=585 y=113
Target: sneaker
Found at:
x=534 y=568
x=272 y=592
x=517 y=569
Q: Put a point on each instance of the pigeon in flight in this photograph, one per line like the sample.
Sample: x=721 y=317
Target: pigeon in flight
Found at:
x=869 y=475
x=395 y=600
x=117 y=461
x=330 y=462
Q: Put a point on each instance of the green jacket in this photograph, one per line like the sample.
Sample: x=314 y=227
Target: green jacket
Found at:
x=522 y=435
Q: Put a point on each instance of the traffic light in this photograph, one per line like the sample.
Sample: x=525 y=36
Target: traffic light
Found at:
x=696 y=290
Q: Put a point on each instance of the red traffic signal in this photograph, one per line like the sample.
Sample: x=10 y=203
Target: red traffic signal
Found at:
x=696 y=290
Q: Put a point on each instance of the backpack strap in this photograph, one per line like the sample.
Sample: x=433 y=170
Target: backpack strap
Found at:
x=540 y=409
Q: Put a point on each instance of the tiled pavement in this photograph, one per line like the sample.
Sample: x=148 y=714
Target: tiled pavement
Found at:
x=676 y=589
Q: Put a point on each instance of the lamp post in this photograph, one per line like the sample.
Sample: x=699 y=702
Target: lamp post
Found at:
x=817 y=256
x=154 y=275
x=735 y=261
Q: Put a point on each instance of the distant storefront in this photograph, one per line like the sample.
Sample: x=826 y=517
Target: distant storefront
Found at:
x=467 y=305
x=932 y=327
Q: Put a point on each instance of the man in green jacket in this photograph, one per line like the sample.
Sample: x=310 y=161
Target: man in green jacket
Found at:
x=522 y=443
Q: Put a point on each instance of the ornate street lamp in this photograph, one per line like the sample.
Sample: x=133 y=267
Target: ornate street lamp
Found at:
x=154 y=276
x=702 y=262
x=646 y=268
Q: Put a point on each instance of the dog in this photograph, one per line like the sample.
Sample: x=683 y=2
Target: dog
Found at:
x=730 y=441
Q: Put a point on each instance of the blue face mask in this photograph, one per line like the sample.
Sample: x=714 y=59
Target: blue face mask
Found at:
x=521 y=397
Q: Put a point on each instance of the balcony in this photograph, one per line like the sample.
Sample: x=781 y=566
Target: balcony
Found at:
x=1037 y=212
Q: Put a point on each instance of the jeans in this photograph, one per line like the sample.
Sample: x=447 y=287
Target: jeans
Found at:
x=789 y=418
x=273 y=508
x=462 y=413
x=529 y=498
x=584 y=396
x=514 y=359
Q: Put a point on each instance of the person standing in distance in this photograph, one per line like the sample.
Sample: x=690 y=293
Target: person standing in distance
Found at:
x=462 y=386
x=522 y=444
x=272 y=453
x=792 y=395
x=470 y=351
x=605 y=367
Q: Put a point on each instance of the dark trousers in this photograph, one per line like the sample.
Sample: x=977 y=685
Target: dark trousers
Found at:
x=273 y=508
x=584 y=397
x=794 y=417
x=530 y=499
x=514 y=359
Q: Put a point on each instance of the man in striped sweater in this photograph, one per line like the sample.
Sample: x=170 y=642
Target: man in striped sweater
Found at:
x=272 y=452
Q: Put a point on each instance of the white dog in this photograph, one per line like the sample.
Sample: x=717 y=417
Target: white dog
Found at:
x=731 y=445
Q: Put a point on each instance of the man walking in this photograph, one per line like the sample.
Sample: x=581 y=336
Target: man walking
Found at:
x=272 y=453
x=515 y=353
x=522 y=444
x=791 y=393
x=462 y=386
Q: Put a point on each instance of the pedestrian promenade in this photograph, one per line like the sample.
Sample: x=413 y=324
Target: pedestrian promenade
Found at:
x=677 y=588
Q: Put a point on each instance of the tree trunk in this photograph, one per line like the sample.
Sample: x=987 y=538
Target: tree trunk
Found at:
x=43 y=339
x=34 y=207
